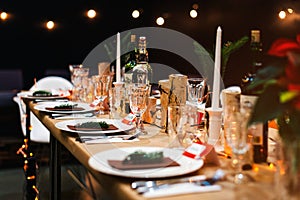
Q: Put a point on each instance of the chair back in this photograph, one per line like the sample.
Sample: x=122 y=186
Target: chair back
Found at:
x=39 y=132
x=52 y=82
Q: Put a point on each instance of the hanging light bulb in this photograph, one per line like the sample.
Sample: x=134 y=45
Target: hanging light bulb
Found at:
x=135 y=14
x=50 y=25
x=91 y=13
x=193 y=13
x=282 y=14
x=4 y=16
x=160 y=21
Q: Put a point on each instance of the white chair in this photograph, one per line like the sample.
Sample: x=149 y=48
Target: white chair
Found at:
x=39 y=133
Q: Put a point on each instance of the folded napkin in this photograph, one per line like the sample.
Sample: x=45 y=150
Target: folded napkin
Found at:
x=42 y=95
x=65 y=109
x=166 y=162
x=180 y=188
x=75 y=128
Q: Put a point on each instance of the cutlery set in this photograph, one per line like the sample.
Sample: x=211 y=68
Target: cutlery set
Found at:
x=200 y=180
x=93 y=138
x=73 y=116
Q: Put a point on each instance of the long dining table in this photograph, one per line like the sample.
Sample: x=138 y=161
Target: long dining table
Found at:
x=119 y=187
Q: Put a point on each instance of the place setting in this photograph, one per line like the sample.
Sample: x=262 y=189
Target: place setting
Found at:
x=64 y=107
x=161 y=171
x=99 y=130
x=40 y=95
x=144 y=162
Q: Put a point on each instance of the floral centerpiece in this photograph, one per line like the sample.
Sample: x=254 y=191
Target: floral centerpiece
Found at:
x=280 y=100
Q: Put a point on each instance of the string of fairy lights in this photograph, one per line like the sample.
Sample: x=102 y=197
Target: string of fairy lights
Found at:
x=286 y=13
x=91 y=14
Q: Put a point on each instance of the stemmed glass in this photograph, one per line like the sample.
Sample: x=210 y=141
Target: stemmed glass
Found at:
x=72 y=69
x=101 y=89
x=196 y=95
x=138 y=100
x=239 y=141
x=78 y=78
x=196 y=90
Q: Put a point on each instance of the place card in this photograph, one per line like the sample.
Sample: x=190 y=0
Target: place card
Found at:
x=205 y=151
x=129 y=119
x=194 y=150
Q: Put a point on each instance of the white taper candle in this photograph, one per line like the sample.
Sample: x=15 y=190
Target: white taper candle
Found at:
x=118 y=62
x=216 y=82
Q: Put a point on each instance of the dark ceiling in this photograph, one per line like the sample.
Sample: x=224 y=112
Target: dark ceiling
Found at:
x=26 y=44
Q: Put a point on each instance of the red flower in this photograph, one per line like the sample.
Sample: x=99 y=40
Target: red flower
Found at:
x=291 y=50
x=282 y=46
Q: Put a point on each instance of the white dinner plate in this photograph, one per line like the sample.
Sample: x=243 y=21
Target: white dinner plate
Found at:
x=44 y=105
x=63 y=125
x=99 y=162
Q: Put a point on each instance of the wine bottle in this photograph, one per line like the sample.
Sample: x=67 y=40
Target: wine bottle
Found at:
x=142 y=72
x=259 y=131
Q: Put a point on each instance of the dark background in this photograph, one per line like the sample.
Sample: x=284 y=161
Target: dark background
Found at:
x=27 y=45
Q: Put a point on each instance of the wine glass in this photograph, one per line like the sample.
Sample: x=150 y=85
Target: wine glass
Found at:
x=196 y=90
x=71 y=69
x=78 y=79
x=138 y=100
x=239 y=141
x=101 y=89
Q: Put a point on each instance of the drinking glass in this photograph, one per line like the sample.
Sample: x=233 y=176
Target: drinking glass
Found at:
x=177 y=122
x=138 y=101
x=71 y=69
x=239 y=141
x=101 y=89
x=80 y=75
x=196 y=90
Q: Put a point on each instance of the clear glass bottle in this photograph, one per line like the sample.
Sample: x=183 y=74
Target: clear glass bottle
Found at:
x=249 y=96
x=142 y=72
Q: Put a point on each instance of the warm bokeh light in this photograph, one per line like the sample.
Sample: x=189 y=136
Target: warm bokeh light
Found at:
x=290 y=10
x=282 y=14
x=135 y=14
x=91 y=13
x=193 y=13
x=3 y=16
x=50 y=25
x=195 y=6
x=160 y=21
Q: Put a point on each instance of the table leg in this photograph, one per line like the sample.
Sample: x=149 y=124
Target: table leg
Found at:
x=55 y=169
